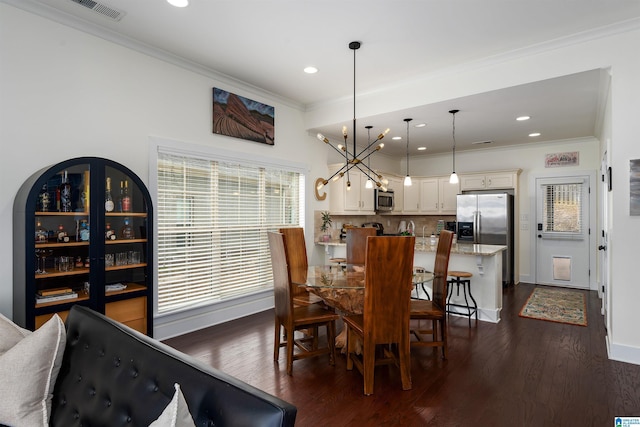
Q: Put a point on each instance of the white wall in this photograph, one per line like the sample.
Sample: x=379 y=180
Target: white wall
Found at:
x=66 y=94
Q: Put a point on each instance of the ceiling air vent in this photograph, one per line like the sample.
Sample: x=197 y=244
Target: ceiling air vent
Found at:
x=101 y=9
x=481 y=142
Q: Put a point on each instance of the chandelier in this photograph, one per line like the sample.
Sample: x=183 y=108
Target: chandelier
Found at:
x=355 y=158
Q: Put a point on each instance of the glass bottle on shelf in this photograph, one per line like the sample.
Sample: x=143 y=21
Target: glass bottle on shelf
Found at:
x=43 y=199
x=126 y=198
x=61 y=235
x=109 y=233
x=126 y=232
x=42 y=235
x=65 y=194
x=108 y=198
x=84 y=230
x=120 y=196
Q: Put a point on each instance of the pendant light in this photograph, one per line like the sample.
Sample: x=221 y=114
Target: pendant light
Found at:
x=407 y=179
x=352 y=158
x=453 y=179
x=369 y=183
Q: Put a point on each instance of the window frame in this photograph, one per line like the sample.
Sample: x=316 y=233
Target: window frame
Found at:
x=162 y=146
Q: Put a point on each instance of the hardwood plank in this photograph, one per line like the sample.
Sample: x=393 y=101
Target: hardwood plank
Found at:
x=520 y=371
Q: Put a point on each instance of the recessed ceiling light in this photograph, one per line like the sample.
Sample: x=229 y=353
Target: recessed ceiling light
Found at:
x=178 y=3
x=534 y=134
x=397 y=138
x=422 y=148
x=421 y=125
x=310 y=70
x=522 y=118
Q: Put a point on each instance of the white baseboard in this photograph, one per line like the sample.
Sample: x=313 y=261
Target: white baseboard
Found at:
x=175 y=324
x=486 y=315
x=623 y=353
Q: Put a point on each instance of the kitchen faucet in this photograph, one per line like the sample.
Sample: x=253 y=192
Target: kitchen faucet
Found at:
x=423 y=233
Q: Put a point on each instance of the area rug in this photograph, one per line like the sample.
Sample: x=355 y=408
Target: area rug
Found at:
x=556 y=305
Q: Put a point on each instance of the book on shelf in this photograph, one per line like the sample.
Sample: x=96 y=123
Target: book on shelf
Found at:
x=60 y=297
x=115 y=287
x=54 y=291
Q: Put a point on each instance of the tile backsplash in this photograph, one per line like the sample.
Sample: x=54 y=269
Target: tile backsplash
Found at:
x=389 y=222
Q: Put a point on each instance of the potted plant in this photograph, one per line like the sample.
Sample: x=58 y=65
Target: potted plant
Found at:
x=326 y=223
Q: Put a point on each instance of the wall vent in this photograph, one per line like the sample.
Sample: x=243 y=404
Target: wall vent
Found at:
x=101 y=9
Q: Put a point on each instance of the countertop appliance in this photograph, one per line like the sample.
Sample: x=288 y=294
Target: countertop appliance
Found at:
x=378 y=226
x=384 y=200
x=488 y=219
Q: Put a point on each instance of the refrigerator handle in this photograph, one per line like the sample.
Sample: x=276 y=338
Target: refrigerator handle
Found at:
x=476 y=226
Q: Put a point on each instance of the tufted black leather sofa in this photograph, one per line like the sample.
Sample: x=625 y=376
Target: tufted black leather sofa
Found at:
x=113 y=376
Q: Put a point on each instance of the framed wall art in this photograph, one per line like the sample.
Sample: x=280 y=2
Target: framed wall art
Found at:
x=240 y=117
x=562 y=159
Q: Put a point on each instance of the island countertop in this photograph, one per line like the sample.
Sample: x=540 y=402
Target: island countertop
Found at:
x=456 y=248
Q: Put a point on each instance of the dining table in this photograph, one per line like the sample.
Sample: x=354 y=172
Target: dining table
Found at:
x=342 y=286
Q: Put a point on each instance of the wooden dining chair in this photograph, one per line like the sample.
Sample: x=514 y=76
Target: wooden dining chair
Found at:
x=292 y=319
x=357 y=244
x=296 y=254
x=436 y=309
x=385 y=319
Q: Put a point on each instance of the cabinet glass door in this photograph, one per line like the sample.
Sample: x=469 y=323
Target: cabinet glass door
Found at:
x=125 y=250
x=61 y=239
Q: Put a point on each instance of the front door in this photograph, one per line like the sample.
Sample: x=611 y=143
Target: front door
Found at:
x=562 y=231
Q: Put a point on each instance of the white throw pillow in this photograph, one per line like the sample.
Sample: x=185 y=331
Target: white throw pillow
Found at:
x=28 y=372
x=10 y=334
x=176 y=414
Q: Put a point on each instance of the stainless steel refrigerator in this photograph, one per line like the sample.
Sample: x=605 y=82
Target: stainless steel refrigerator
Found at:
x=488 y=219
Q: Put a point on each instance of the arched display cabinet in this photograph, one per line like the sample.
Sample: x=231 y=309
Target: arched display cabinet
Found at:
x=105 y=260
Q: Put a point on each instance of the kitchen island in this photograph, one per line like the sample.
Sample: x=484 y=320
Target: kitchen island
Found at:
x=483 y=261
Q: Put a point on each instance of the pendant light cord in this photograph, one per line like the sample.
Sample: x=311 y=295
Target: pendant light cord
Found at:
x=408 y=120
x=454 y=142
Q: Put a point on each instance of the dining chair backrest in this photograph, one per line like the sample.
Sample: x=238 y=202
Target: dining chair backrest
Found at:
x=357 y=244
x=295 y=250
x=387 y=291
x=440 y=267
x=281 y=278
x=295 y=246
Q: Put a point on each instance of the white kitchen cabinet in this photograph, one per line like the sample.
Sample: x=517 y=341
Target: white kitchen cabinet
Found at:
x=448 y=196
x=411 y=198
x=489 y=181
x=357 y=200
x=438 y=196
x=431 y=196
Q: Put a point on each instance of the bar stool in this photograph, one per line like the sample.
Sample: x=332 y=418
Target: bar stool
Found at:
x=421 y=284
x=461 y=278
x=340 y=262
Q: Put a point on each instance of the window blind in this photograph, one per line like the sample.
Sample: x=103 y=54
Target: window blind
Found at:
x=212 y=222
x=563 y=209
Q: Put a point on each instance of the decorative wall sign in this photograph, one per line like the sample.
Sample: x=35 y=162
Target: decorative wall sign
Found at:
x=240 y=117
x=562 y=159
x=317 y=193
x=634 y=187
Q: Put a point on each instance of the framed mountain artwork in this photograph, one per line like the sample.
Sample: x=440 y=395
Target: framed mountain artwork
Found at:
x=240 y=117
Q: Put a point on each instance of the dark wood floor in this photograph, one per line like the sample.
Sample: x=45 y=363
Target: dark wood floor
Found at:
x=519 y=372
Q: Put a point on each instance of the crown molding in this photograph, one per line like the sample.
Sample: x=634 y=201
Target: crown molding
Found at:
x=85 y=26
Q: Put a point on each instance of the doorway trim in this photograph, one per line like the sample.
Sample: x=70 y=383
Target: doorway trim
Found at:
x=593 y=195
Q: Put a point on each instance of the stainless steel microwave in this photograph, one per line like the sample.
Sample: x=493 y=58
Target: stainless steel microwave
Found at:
x=384 y=200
